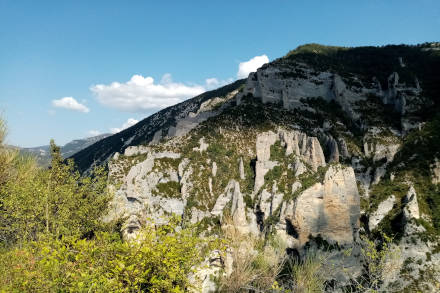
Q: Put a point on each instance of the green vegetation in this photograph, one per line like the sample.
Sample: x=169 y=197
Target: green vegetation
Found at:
x=160 y=261
x=263 y=266
x=56 y=202
x=384 y=189
x=330 y=111
x=52 y=238
x=309 y=179
x=168 y=189
x=315 y=49
x=375 y=113
x=379 y=62
x=413 y=163
x=166 y=163
x=277 y=152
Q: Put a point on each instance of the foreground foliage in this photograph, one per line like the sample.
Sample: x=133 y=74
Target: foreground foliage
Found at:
x=56 y=202
x=52 y=238
x=159 y=261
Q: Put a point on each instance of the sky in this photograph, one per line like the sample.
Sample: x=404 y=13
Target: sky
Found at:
x=73 y=69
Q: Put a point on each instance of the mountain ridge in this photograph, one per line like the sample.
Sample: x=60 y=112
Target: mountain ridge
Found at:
x=305 y=53
x=100 y=153
x=43 y=152
x=327 y=150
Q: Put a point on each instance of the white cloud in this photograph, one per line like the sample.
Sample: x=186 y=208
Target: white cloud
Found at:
x=94 y=132
x=128 y=123
x=244 y=68
x=71 y=104
x=213 y=83
x=143 y=94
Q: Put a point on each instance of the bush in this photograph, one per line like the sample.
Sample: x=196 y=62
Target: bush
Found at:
x=168 y=189
x=55 y=201
x=160 y=260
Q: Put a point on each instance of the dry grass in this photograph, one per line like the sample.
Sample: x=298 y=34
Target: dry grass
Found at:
x=308 y=275
x=251 y=264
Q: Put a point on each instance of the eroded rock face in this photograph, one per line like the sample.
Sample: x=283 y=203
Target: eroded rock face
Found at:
x=232 y=198
x=330 y=209
x=382 y=210
x=411 y=210
x=135 y=199
x=416 y=256
x=306 y=149
x=379 y=145
x=277 y=84
x=332 y=147
x=136 y=150
x=207 y=109
x=435 y=171
x=241 y=169
x=300 y=203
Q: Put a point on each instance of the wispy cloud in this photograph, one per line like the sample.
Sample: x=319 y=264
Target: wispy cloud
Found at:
x=213 y=83
x=130 y=122
x=244 y=68
x=93 y=132
x=71 y=104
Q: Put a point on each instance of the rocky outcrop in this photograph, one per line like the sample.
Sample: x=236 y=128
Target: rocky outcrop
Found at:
x=380 y=147
x=232 y=198
x=382 y=210
x=241 y=169
x=417 y=256
x=330 y=209
x=214 y=169
x=299 y=167
x=343 y=149
x=331 y=148
x=203 y=146
x=185 y=171
x=285 y=83
x=379 y=173
x=136 y=150
x=264 y=141
x=261 y=169
x=411 y=210
x=435 y=171
x=269 y=202
x=136 y=200
x=209 y=108
x=306 y=149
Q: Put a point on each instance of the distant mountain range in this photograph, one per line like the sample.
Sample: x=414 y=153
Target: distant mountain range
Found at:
x=43 y=152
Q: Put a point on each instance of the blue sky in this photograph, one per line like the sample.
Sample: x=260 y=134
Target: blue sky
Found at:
x=50 y=50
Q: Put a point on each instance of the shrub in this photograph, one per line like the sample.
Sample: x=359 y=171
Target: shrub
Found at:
x=168 y=189
x=160 y=260
x=56 y=201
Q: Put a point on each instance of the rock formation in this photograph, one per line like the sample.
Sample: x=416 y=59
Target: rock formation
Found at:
x=291 y=151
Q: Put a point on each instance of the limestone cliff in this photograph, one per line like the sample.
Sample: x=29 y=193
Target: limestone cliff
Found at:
x=315 y=147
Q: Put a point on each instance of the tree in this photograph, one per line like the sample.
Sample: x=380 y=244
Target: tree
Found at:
x=52 y=202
